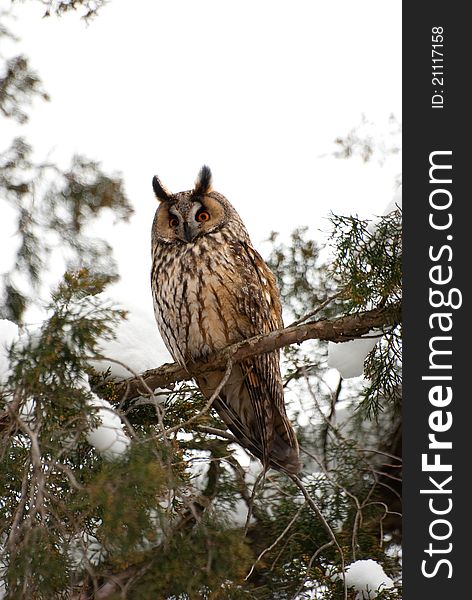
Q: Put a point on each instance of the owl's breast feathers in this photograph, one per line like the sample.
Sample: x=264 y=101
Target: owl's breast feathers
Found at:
x=208 y=295
x=211 y=294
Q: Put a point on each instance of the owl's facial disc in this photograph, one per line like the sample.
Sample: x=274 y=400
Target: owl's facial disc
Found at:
x=185 y=218
x=189 y=220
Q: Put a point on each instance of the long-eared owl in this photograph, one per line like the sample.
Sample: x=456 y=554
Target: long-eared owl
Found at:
x=211 y=289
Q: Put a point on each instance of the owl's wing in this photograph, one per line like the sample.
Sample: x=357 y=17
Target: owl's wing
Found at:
x=252 y=401
x=262 y=305
x=261 y=374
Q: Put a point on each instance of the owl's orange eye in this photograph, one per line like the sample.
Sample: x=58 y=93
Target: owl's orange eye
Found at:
x=203 y=216
x=173 y=222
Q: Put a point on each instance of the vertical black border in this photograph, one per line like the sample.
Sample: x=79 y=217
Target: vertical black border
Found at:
x=428 y=129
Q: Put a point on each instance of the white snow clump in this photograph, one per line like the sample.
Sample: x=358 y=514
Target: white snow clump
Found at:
x=137 y=345
x=348 y=357
x=108 y=437
x=367 y=578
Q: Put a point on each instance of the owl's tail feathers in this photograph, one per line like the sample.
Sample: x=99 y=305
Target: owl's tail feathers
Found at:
x=288 y=462
x=284 y=454
x=272 y=441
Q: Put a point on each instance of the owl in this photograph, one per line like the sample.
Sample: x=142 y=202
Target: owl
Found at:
x=211 y=289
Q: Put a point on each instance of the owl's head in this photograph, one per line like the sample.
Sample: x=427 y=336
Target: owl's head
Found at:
x=186 y=216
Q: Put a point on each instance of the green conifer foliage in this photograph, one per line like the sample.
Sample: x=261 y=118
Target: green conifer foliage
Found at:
x=180 y=514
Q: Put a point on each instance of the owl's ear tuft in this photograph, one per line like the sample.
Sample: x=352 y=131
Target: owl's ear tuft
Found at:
x=203 y=182
x=162 y=193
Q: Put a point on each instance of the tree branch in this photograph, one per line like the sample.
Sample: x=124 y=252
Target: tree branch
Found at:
x=339 y=329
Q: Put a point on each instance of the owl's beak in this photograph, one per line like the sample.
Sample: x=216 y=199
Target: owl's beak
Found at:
x=188 y=233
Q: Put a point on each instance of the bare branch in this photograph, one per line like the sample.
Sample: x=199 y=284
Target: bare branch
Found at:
x=340 y=329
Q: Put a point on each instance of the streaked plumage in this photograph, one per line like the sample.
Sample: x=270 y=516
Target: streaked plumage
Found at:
x=210 y=289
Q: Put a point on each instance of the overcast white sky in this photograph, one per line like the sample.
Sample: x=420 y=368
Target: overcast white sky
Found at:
x=256 y=89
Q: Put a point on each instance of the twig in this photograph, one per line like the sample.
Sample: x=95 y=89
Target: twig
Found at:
x=54 y=464
x=206 y=408
x=150 y=392
x=243 y=490
x=280 y=537
x=325 y=524
x=250 y=504
x=215 y=431
x=382 y=453
x=310 y=563
x=317 y=309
